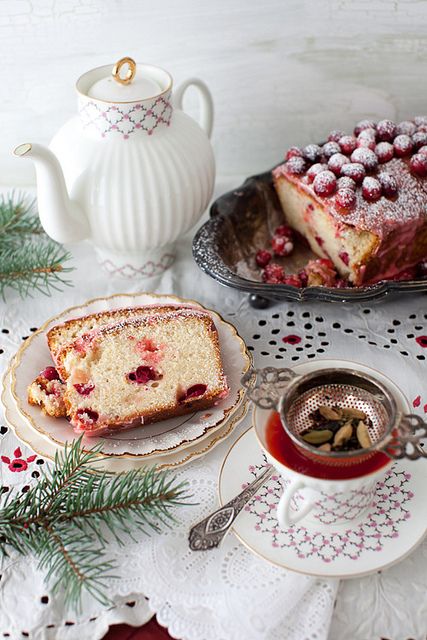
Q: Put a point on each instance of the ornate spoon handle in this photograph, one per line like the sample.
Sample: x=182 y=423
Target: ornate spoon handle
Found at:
x=208 y=533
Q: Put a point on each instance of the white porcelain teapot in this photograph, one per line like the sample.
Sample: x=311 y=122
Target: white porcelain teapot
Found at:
x=132 y=172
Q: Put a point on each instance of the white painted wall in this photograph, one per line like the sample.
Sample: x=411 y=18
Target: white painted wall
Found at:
x=281 y=71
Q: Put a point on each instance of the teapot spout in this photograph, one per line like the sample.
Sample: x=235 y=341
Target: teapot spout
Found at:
x=62 y=218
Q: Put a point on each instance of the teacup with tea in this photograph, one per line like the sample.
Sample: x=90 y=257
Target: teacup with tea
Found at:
x=332 y=435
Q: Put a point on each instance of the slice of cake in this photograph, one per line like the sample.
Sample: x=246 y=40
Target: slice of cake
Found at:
x=143 y=370
x=62 y=334
x=47 y=390
x=360 y=200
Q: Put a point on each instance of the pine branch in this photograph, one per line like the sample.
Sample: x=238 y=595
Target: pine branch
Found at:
x=30 y=265
x=18 y=215
x=61 y=519
x=29 y=260
x=73 y=563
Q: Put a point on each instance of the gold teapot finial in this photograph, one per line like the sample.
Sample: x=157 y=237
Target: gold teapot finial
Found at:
x=130 y=73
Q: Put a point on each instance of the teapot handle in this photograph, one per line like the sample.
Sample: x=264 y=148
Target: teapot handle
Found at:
x=206 y=102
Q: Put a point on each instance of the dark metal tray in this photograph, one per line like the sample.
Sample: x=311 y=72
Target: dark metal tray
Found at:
x=241 y=222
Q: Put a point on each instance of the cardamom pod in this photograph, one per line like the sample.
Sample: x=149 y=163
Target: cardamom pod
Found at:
x=329 y=413
x=349 y=412
x=325 y=447
x=318 y=437
x=363 y=435
x=343 y=434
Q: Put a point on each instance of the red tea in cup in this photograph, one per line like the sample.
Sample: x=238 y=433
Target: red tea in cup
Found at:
x=282 y=448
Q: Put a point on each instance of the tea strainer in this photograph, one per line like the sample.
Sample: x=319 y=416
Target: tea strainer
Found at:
x=295 y=397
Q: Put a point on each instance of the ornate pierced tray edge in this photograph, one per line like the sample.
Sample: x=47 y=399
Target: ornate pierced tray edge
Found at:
x=207 y=257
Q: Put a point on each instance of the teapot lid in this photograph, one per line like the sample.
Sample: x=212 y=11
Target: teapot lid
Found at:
x=117 y=84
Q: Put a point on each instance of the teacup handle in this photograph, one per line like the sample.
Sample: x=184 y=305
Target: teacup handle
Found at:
x=206 y=102
x=284 y=516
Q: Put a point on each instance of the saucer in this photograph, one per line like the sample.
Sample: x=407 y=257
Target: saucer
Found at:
x=160 y=438
x=47 y=449
x=389 y=531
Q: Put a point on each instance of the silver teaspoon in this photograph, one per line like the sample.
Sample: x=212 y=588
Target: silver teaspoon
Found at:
x=208 y=533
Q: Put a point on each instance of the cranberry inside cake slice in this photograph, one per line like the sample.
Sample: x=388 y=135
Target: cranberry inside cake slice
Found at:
x=143 y=370
x=47 y=392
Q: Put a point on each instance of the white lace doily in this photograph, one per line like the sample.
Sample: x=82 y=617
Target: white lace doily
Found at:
x=228 y=593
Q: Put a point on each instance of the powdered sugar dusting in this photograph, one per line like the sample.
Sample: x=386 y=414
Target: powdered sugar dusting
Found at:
x=383 y=216
x=156 y=318
x=365 y=157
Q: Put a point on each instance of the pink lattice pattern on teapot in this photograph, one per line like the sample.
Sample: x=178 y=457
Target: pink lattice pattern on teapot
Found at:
x=125 y=119
x=148 y=269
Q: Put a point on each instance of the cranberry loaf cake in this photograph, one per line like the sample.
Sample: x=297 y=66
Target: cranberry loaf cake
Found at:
x=143 y=370
x=47 y=390
x=360 y=200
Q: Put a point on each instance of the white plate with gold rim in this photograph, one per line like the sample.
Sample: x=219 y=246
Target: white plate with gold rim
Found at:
x=388 y=532
x=47 y=449
x=158 y=438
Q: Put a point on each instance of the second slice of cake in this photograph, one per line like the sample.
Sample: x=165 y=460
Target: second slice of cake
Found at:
x=143 y=370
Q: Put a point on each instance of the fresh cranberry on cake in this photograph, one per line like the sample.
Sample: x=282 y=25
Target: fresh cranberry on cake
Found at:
x=384 y=151
x=364 y=206
x=346 y=198
x=329 y=148
x=293 y=151
x=353 y=170
x=419 y=139
x=335 y=135
x=363 y=125
x=403 y=145
x=348 y=144
x=419 y=165
x=367 y=138
x=406 y=128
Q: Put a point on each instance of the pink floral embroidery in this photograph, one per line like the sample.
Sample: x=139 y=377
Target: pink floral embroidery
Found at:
x=422 y=341
x=18 y=463
x=291 y=339
x=416 y=402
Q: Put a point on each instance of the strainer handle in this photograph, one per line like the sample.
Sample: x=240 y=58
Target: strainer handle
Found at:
x=265 y=386
x=285 y=517
x=407 y=443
